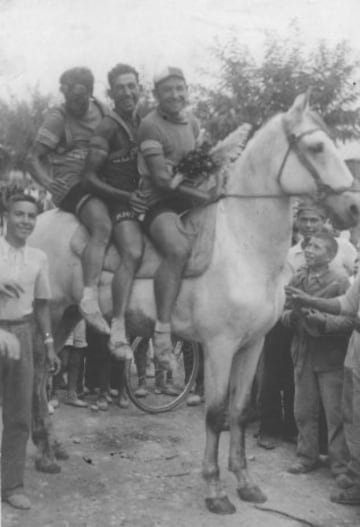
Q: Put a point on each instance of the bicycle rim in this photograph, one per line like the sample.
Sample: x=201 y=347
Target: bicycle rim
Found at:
x=181 y=383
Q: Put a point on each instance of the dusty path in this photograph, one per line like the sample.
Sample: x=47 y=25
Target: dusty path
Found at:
x=128 y=469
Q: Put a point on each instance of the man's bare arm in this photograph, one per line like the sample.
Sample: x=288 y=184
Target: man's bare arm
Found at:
x=95 y=161
x=160 y=173
x=299 y=298
x=42 y=314
x=37 y=164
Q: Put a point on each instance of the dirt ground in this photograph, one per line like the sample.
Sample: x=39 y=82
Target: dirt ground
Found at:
x=130 y=469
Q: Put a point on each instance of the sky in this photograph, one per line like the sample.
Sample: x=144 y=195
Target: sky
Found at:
x=41 y=38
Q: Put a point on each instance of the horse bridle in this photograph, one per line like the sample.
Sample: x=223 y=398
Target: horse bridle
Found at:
x=294 y=145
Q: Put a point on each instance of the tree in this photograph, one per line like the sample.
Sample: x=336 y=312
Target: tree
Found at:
x=20 y=121
x=251 y=91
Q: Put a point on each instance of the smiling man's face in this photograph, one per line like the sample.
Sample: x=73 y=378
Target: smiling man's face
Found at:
x=21 y=220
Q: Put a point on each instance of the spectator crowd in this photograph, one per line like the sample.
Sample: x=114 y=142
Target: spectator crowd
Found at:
x=309 y=377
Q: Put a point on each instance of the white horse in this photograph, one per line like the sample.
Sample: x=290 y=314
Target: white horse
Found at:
x=240 y=296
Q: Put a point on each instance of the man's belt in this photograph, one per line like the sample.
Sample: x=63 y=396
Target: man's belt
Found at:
x=17 y=322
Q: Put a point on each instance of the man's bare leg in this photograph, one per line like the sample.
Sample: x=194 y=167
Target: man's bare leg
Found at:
x=174 y=248
x=95 y=217
x=128 y=239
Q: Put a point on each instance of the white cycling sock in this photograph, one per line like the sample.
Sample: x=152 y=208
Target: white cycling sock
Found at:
x=89 y=293
x=162 y=327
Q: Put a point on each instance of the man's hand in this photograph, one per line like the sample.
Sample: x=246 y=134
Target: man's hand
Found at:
x=294 y=316
x=10 y=288
x=176 y=181
x=9 y=345
x=298 y=297
x=215 y=194
x=315 y=319
x=138 y=203
x=53 y=360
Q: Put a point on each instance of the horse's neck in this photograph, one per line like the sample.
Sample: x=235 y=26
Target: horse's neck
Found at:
x=262 y=226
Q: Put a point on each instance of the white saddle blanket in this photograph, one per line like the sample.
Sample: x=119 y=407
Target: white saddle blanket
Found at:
x=199 y=223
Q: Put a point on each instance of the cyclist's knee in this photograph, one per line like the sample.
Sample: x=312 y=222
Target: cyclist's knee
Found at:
x=101 y=230
x=133 y=255
x=97 y=221
x=179 y=252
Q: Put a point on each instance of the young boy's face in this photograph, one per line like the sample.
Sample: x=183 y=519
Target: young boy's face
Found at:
x=317 y=252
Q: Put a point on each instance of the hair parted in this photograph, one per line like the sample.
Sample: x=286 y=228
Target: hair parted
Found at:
x=121 y=69
x=16 y=198
x=79 y=75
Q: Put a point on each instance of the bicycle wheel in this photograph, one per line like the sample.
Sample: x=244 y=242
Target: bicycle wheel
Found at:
x=163 y=392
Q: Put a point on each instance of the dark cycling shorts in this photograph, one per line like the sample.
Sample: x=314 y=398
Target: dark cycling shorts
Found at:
x=75 y=199
x=176 y=205
x=120 y=211
x=77 y=196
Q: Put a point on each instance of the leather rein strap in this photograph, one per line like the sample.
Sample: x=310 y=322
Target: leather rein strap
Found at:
x=294 y=145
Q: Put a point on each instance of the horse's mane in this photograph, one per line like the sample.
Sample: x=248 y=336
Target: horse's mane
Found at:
x=229 y=149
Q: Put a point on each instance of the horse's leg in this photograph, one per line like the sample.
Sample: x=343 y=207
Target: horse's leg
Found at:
x=242 y=376
x=217 y=363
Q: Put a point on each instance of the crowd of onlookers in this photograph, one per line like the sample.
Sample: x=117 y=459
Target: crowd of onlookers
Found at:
x=308 y=393
x=309 y=379
x=301 y=375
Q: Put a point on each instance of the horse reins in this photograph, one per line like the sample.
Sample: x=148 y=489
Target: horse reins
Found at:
x=294 y=145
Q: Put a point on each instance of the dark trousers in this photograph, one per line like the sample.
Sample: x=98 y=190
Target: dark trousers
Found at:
x=17 y=384
x=102 y=370
x=41 y=424
x=311 y=387
x=276 y=400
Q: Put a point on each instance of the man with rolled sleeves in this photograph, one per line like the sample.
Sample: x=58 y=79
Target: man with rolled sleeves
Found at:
x=19 y=309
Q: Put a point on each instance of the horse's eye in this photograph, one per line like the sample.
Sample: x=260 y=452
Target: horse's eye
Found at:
x=316 y=149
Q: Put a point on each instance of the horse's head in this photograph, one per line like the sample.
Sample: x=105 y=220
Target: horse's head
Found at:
x=312 y=165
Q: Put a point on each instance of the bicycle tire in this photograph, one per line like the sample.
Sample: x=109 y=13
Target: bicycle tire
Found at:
x=155 y=404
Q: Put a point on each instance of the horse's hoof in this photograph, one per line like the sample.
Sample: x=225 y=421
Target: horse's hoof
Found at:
x=253 y=494
x=220 y=505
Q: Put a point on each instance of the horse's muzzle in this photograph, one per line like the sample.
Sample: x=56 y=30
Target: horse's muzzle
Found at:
x=343 y=209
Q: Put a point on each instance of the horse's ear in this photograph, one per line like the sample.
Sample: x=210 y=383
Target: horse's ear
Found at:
x=295 y=112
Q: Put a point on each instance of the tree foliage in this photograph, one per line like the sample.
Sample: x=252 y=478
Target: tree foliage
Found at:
x=252 y=91
x=20 y=120
x=246 y=90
